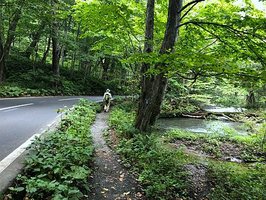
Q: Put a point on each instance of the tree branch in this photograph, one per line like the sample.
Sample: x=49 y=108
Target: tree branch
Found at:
x=208 y=45
x=128 y=25
x=229 y=27
x=190 y=3
x=185 y=77
x=238 y=33
x=190 y=9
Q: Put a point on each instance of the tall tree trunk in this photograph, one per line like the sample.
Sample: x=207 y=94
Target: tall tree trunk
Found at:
x=56 y=57
x=153 y=86
x=250 y=99
x=35 y=39
x=74 y=55
x=55 y=44
x=56 y=54
x=105 y=64
x=170 y=37
x=63 y=48
x=2 y=70
x=5 y=47
x=55 y=61
x=144 y=110
x=73 y=63
x=11 y=32
x=2 y=60
x=45 y=54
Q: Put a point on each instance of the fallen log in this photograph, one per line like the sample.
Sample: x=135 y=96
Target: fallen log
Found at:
x=194 y=116
x=206 y=115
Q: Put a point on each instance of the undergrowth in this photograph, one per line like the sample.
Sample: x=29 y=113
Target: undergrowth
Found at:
x=251 y=146
x=25 y=78
x=232 y=181
x=162 y=170
x=159 y=168
x=58 y=165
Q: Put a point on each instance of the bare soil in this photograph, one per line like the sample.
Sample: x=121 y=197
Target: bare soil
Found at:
x=224 y=151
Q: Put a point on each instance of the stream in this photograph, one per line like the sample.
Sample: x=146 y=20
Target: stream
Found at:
x=205 y=125
x=201 y=125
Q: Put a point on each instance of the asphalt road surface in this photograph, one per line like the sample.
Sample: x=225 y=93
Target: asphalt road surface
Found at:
x=20 y=118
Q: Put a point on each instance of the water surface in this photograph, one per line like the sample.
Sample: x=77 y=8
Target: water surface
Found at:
x=201 y=125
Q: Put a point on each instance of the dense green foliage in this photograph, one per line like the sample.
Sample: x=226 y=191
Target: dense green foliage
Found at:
x=219 y=56
x=236 y=181
x=101 y=41
x=23 y=80
x=41 y=81
x=27 y=67
x=58 y=165
x=187 y=97
x=76 y=47
x=159 y=168
x=162 y=168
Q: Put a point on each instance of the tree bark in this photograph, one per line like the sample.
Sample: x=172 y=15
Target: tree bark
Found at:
x=2 y=60
x=250 y=99
x=63 y=48
x=56 y=52
x=56 y=57
x=74 y=54
x=105 y=64
x=5 y=46
x=153 y=86
x=45 y=54
x=144 y=108
x=11 y=32
x=73 y=63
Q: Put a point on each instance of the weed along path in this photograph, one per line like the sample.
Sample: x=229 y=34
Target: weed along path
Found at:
x=110 y=180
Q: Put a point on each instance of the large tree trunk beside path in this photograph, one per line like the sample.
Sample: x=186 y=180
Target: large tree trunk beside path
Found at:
x=153 y=86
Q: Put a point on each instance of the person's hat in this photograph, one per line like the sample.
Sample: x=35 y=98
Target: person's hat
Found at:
x=107 y=90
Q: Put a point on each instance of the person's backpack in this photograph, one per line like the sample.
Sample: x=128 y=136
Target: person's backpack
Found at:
x=107 y=97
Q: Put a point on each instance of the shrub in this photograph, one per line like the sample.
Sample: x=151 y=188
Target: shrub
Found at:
x=122 y=122
x=159 y=168
x=234 y=181
x=58 y=166
x=163 y=172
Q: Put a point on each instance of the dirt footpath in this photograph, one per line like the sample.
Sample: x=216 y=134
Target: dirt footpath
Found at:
x=110 y=180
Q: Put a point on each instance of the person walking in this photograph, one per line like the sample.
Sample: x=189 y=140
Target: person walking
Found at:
x=107 y=97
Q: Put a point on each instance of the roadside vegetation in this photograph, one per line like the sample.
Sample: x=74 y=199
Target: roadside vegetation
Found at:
x=177 y=57
x=180 y=164
x=59 y=163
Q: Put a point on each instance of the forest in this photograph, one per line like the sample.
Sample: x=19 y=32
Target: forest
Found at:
x=169 y=60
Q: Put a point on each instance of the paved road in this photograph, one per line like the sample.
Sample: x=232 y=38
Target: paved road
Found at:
x=20 y=118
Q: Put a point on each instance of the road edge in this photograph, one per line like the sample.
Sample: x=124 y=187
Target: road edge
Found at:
x=11 y=171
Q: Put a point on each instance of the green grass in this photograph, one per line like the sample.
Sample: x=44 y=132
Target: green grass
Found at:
x=237 y=181
x=251 y=145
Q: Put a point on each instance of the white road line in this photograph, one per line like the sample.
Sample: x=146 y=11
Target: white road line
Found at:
x=11 y=157
x=17 y=152
x=10 y=110
x=18 y=106
x=68 y=99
